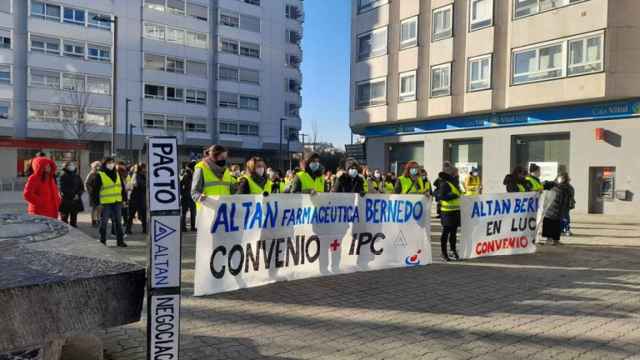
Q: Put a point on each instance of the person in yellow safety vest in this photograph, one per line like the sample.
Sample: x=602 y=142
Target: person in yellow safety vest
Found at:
x=473 y=183
x=310 y=179
x=448 y=195
x=425 y=181
x=288 y=180
x=255 y=181
x=376 y=183
x=410 y=182
x=516 y=182
x=211 y=177
x=389 y=183
x=350 y=181
x=534 y=178
x=110 y=190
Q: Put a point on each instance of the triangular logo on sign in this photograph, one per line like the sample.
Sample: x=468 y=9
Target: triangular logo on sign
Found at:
x=161 y=231
x=400 y=240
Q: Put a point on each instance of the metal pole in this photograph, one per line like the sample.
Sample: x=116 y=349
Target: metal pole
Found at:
x=289 y=149
x=126 y=129
x=114 y=72
x=281 y=159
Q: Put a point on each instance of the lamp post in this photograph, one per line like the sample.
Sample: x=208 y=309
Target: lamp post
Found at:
x=114 y=73
x=281 y=158
x=127 y=141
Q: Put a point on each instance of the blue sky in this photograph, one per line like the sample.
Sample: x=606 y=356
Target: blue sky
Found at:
x=325 y=70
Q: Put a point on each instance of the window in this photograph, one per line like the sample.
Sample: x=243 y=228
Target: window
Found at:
x=197 y=97
x=73 y=49
x=227 y=100
x=199 y=12
x=480 y=14
x=540 y=63
x=5 y=6
x=154 y=62
x=249 y=23
x=44 y=112
x=249 y=102
x=175 y=94
x=372 y=44
x=292 y=85
x=175 y=123
x=585 y=55
x=198 y=40
x=364 y=5
x=5 y=107
x=291 y=110
x=45 y=11
x=253 y=2
x=524 y=8
x=176 y=7
x=250 y=50
x=153 y=121
x=99 y=21
x=175 y=65
x=5 y=39
x=409 y=33
x=174 y=35
x=99 y=53
x=72 y=82
x=229 y=46
x=292 y=12
x=153 y=92
x=250 y=76
x=248 y=130
x=442 y=23
x=227 y=73
x=45 y=78
x=372 y=93
x=72 y=113
x=74 y=16
x=197 y=68
x=158 y=5
x=45 y=45
x=293 y=61
x=196 y=126
x=229 y=19
x=228 y=128
x=408 y=86
x=441 y=80
x=98 y=117
x=98 y=85
x=5 y=74
x=154 y=31
x=479 y=73
x=293 y=37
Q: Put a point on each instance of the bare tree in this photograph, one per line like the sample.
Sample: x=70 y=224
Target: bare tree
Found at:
x=75 y=119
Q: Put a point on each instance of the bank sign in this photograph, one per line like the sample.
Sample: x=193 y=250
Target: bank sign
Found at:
x=600 y=111
x=164 y=267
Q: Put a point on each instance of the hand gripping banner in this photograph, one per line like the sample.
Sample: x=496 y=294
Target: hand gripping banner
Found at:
x=246 y=241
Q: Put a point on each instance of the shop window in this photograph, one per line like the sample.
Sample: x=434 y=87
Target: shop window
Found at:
x=550 y=151
x=401 y=153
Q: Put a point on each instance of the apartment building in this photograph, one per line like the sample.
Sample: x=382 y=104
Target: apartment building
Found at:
x=493 y=84
x=205 y=71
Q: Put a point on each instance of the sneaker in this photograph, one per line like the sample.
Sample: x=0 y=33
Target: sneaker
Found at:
x=445 y=258
x=122 y=244
x=455 y=256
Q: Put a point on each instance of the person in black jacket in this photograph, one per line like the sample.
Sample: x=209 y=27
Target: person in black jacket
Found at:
x=188 y=205
x=448 y=195
x=71 y=189
x=516 y=181
x=350 y=181
x=138 y=197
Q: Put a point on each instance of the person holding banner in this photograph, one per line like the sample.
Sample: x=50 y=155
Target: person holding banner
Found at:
x=310 y=179
x=350 y=181
x=255 y=181
x=211 y=176
x=389 y=183
x=516 y=181
x=425 y=180
x=376 y=183
x=448 y=195
x=410 y=182
x=534 y=178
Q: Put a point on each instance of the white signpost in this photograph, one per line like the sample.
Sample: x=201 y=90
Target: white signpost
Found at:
x=164 y=267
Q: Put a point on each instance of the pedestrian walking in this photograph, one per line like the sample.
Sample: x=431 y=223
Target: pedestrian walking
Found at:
x=188 y=205
x=138 y=197
x=71 y=189
x=351 y=181
x=111 y=192
x=255 y=181
x=448 y=194
x=556 y=206
x=564 y=182
x=310 y=179
x=211 y=176
x=89 y=183
x=41 y=192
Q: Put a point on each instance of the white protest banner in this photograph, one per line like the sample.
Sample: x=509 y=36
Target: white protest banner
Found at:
x=164 y=185
x=164 y=319
x=499 y=224
x=245 y=240
x=164 y=265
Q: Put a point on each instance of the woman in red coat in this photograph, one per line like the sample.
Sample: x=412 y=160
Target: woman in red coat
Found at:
x=41 y=191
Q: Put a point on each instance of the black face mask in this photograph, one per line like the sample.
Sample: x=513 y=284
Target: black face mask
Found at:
x=221 y=163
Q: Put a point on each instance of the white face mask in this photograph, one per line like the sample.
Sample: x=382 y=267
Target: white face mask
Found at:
x=353 y=172
x=260 y=171
x=110 y=166
x=71 y=168
x=376 y=175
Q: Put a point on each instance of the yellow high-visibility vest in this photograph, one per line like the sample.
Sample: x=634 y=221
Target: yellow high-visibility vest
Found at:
x=213 y=186
x=409 y=188
x=308 y=183
x=453 y=204
x=521 y=188
x=256 y=189
x=389 y=188
x=473 y=185
x=536 y=185
x=110 y=192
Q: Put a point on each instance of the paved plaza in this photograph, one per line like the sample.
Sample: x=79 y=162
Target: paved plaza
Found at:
x=580 y=300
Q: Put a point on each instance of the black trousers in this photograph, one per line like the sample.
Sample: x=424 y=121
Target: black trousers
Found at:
x=141 y=211
x=70 y=218
x=191 y=208
x=449 y=233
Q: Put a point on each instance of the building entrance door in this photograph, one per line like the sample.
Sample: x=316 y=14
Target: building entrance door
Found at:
x=601 y=188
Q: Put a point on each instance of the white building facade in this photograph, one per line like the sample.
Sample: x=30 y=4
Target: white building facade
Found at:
x=206 y=71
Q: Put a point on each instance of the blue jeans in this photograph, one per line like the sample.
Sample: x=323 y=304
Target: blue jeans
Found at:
x=113 y=212
x=566 y=223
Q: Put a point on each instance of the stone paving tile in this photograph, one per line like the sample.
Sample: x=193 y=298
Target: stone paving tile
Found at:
x=577 y=301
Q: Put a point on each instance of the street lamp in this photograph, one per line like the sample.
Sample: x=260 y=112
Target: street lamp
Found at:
x=127 y=142
x=114 y=73
x=281 y=160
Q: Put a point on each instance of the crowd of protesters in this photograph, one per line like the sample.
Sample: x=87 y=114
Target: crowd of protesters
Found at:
x=117 y=192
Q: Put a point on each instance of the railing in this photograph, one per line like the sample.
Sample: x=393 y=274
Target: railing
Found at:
x=12 y=184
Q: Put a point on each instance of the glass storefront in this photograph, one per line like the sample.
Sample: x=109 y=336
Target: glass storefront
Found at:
x=551 y=151
x=401 y=153
x=464 y=154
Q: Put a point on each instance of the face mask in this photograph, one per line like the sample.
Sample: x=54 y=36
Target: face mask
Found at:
x=376 y=175
x=314 y=166
x=111 y=166
x=474 y=174
x=260 y=171
x=221 y=163
x=353 y=173
x=71 y=168
x=413 y=171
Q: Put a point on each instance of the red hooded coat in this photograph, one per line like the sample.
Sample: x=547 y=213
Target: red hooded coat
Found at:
x=41 y=192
